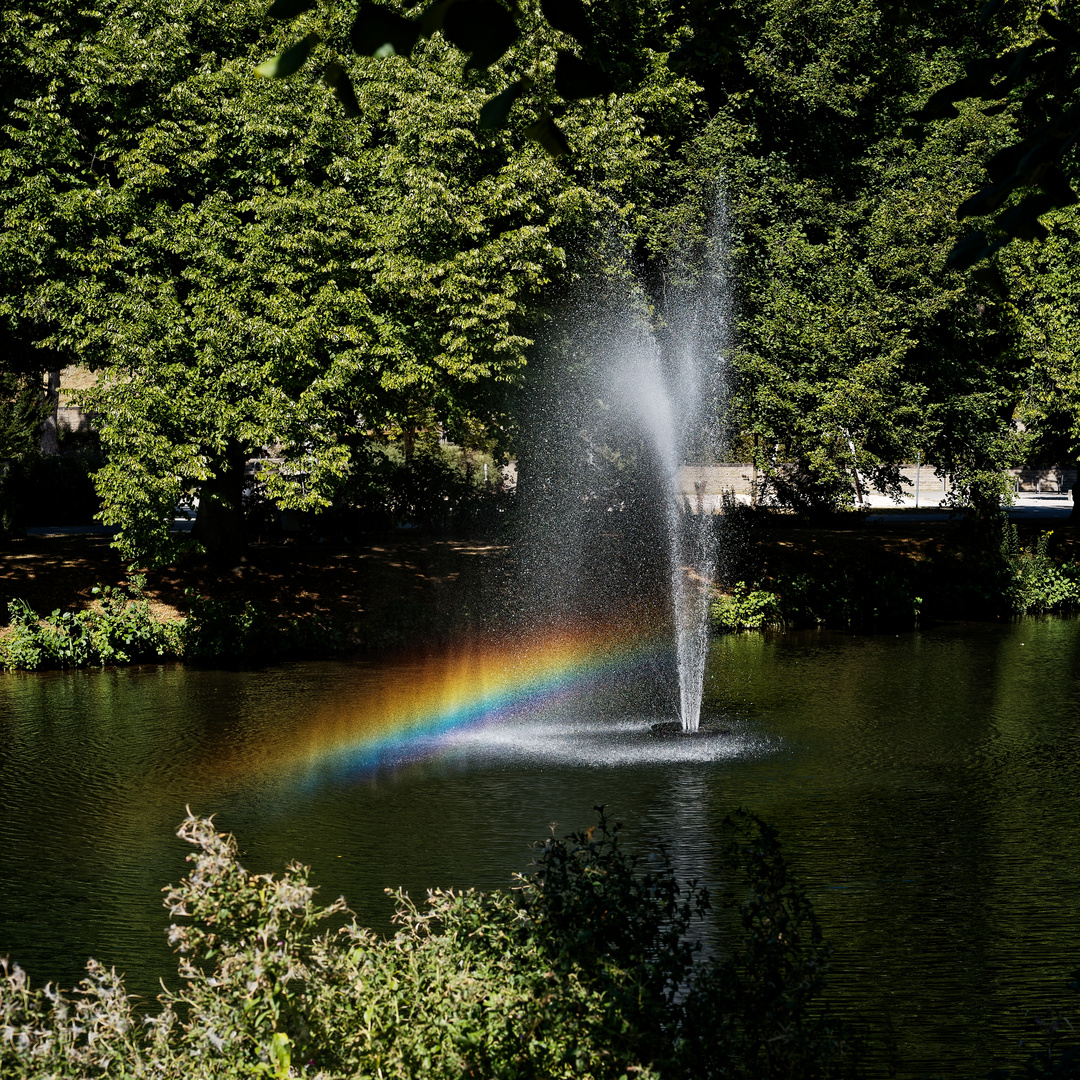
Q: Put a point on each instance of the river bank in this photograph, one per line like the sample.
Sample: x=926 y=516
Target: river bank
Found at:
x=378 y=594
x=862 y=574
x=411 y=589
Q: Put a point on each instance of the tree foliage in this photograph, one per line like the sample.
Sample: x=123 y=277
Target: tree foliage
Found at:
x=21 y=409
x=1035 y=80
x=553 y=53
x=254 y=275
x=292 y=266
x=1025 y=70
x=856 y=348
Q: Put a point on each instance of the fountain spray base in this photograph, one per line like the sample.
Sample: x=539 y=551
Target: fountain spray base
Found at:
x=707 y=729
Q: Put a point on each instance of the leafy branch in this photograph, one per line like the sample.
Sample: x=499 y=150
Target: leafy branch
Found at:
x=483 y=29
x=1044 y=76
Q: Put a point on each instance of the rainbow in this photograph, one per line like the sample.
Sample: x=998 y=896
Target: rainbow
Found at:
x=413 y=703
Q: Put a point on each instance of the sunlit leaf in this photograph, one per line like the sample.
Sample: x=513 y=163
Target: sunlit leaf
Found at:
x=480 y=27
x=576 y=78
x=570 y=17
x=289 y=61
x=546 y=132
x=289 y=9
x=495 y=111
x=281 y=1053
x=378 y=31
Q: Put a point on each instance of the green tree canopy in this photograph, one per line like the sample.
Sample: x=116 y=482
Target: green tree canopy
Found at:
x=856 y=347
x=251 y=270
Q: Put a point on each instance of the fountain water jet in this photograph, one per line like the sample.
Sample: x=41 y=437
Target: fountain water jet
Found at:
x=629 y=389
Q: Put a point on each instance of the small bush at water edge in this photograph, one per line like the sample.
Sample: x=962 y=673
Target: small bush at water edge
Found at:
x=746 y=609
x=119 y=630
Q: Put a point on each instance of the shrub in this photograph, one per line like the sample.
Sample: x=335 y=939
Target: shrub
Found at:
x=847 y=598
x=233 y=628
x=586 y=969
x=833 y=596
x=746 y=609
x=1035 y=582
x=119 y=630
x=122 y=629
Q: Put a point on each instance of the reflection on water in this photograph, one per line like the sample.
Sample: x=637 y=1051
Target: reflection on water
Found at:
x=925 y=786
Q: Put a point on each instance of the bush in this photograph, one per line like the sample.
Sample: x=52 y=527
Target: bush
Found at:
x=849 y=599
x=586 y=969
x=834 y=597
x=1035 y=582
x=121 y=629
x=230 y=628
x=746 y=609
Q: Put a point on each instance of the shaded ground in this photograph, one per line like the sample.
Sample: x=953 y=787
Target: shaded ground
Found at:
x=385 y=592
x=894 y=544
x=870 y=570
x=403 y=589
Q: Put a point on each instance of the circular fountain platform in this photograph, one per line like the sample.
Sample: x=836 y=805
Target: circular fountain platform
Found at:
x=707 y=729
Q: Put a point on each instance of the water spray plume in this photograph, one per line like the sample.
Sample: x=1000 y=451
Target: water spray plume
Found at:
x=629 y=388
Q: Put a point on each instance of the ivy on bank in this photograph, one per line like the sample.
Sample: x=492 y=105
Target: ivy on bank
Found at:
x=122 y=629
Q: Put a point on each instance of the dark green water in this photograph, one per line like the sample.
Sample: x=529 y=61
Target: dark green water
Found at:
x=927 y=787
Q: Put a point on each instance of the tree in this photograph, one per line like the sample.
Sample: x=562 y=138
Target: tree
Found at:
x=1028 y=71
x=560 y=51
x=856 y=347
x=252 y=274
x=1041 y=290
x=20 y=415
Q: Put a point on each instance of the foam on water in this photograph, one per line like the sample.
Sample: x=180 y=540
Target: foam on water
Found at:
x=592 y=742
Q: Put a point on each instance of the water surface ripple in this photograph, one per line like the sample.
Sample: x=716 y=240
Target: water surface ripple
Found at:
x=926 y=788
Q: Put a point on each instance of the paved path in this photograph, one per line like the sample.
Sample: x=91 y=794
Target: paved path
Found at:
x=1027 y=506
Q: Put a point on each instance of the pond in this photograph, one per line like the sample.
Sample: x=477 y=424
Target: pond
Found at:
x=925 y=785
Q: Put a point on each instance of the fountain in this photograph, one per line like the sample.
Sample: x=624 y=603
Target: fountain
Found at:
x=628 y=390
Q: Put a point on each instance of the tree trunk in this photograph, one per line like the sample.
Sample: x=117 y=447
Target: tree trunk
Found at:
x=50 y=436
x=219 y=525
